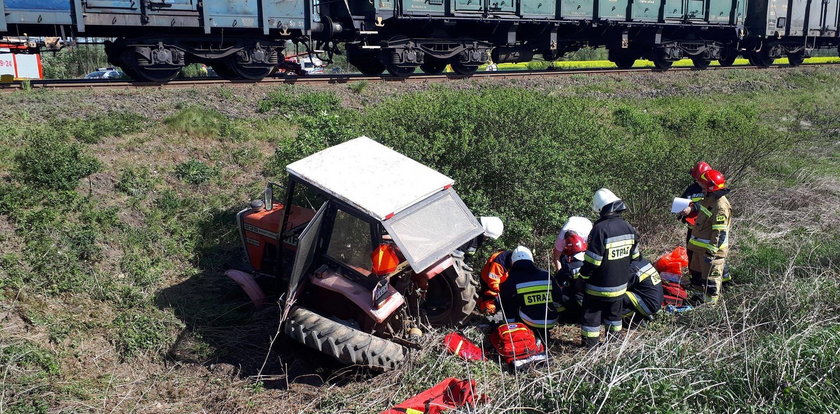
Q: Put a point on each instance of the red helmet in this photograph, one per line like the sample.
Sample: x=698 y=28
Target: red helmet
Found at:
x=699 y=169
x=573 y=244
x=712 y=181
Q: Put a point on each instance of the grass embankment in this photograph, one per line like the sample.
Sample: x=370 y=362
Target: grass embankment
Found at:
x=641 y=63
x=115 y=229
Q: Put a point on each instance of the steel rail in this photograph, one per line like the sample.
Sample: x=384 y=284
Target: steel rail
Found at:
x=76 y=84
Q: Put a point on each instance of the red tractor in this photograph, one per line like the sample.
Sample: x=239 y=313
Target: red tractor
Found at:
x=368 y=246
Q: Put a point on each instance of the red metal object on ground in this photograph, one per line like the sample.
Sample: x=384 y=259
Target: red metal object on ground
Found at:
x=458 y=345
x=447 y=394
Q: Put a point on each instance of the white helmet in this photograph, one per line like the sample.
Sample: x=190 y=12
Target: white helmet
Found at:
x=521 y=253
x=493 y=227
x=602 y=198
x=581 y=226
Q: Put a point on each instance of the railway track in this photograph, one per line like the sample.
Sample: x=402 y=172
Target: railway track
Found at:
x=77 y=84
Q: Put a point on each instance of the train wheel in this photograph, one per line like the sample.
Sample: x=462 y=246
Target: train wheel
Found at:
x=660 y=63
x=432 y=65
x=700 y=63
x=254 y=73
x=131 y=67
x=727 y=57
x=761 y=58
x=463 y=68
x=366 y=62
x=400 y=71
x=796 y=59
x=624 y=62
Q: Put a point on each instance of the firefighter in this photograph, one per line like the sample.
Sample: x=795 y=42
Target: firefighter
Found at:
x=577 y=225
x=710 y=235
x=613 y=244
x=644 y=290
x=527 y=294
x=493 y=274
x=694 y=192
x=569 y=285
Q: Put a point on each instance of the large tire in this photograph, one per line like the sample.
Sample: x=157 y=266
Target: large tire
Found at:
x=451 y=296
x=348 y=345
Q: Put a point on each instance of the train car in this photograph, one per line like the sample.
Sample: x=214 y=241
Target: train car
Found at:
x=156 y=38
x=790 y=28
x=242 y=39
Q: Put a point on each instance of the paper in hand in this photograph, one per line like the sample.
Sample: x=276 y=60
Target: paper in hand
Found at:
x=679 y=204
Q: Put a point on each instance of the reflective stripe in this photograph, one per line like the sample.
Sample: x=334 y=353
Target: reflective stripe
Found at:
x=528 y=284
x=639 y=304
x=615 y=328
x=704 y=243
x=706 y=211
x=718 y=226
x=644 y=272
x=592 y=258
x=622 y=237
x=620 y=243
x=607 y=292
x=537 y=323
x=541 y=288
x=590 y=331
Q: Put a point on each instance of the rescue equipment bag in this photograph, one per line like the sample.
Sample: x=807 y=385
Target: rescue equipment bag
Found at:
x=458 y=345
x=517 y=345
x=673 y=293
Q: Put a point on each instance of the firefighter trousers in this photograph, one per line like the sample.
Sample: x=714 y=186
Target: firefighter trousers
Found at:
x=599 y=311
x=711 y=275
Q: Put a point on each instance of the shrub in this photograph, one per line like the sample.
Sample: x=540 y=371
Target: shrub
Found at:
x=136 y=181
x=358 y=87
x=195 y=172
x=54 y=164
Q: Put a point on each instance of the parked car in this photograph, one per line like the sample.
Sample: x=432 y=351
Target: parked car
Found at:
x=105 y=73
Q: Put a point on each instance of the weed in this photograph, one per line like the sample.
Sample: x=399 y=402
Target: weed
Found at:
x=54 y=164
x=198 y=121
x=139 y=331
x=358 y=87
x=137 y=181
x=195 y=172
x=305 y=104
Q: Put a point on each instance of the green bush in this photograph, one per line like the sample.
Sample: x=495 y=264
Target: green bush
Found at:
x=54 y=164
x=195 y=172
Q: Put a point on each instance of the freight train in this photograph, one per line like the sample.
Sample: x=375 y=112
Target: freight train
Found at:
x=154 y=39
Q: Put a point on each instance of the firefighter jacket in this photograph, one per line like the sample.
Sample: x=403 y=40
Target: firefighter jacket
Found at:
x=527 y=295
x=645 y=287
x=710 y=236
x=613 y=244
x=569 y=270
x=495 y=270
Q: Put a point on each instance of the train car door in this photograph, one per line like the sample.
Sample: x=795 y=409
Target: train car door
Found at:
x=615 y=10
x=468 y=6
x=822 y=18
x=797 y=12
x=577 y=9
x=673 y=10
x=644 y=10
x=696 y=10
x=501 y=7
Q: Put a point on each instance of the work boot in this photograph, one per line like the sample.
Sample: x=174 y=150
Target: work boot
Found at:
x=590 y=342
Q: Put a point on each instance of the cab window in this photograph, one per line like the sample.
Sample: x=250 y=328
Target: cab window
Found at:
x=350 y=242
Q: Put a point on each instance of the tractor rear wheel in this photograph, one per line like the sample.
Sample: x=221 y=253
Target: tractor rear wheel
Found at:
x=450 y=297
x=348 y=345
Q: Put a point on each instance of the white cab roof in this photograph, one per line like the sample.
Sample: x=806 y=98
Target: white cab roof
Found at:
x=369 y=176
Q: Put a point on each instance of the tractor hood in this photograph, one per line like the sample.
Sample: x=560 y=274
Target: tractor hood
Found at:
x=415 y=204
